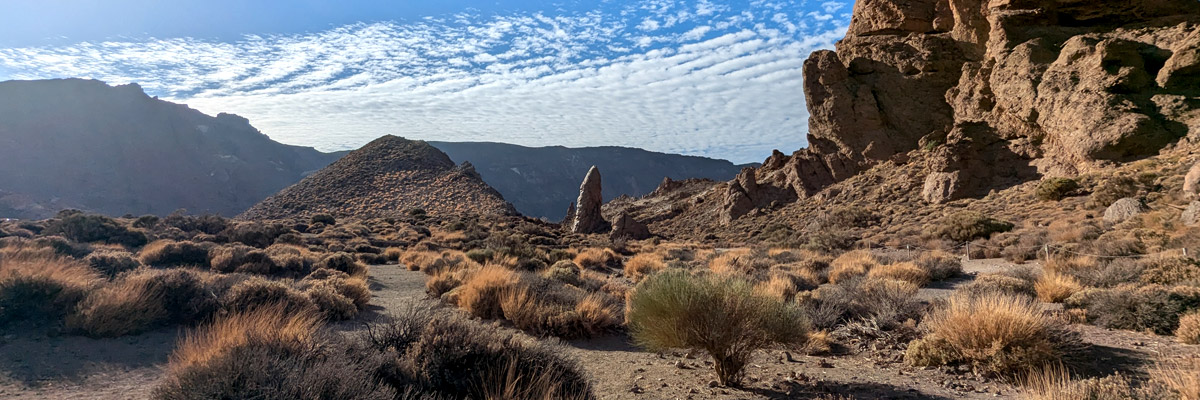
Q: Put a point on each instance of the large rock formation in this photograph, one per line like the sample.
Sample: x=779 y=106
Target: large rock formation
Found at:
x=1191 y=182
x=624 y=226
x=995 y=92
x=388 y=177
x=587 y=212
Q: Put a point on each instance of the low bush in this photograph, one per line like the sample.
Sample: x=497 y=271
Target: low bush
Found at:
x=1110 y=190
x=965 y=226
x=255 y=293
x=851 y=265
x=1055 y=383
x=1055 y=189
x=1182 y=377
x=641 y=265
x=1002 y=283
x=902 y=271
x=595 y=258
x=992 y=333
x=86 y=228
x=1171 y=271
x=940 y=265
x=343 y=262
x=210 y=224
x=170 y=253
x=884 y=303
x=1189 y=328
x=1156 y=308
x=242 y=258
x=484 y=289
x=111 y=262
x=254 y=234
x=126 y=307
x=187 y=296
x=722 y=316
x=1054 y=287
x=42 y=288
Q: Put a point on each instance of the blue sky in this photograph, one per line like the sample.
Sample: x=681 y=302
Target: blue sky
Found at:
x=713 y=78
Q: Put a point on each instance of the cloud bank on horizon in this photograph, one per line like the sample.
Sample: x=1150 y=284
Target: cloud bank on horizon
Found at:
x=712 y=78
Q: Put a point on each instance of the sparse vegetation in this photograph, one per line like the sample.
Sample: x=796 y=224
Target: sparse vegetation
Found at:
x=1055 y=189
x=723 y=317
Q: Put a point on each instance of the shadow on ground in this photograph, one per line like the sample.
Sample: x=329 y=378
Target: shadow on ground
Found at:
x=34 y=357
x=859 y=390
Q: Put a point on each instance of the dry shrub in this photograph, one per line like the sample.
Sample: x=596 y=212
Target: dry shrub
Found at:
x=722 y=316
x=641 y=265
x=902 y=271
x=1055 y=383
x=169 y=253
x=780 y=286
x=1180 y=376
x=112 y=262
x=41 y=287
x=443 y=281
x=596 y=258
x=292 y=260
x=598 y=313
x=126 y=307
x=343 y=262
x=740 y=262
x=851 y=265
x=1054 y=287
x=453 y=358
x=993 y=333
x=1072 y=265
x=260 y=292
x=1001 y=283
x=393 y=254
x=241 y=258
x=1166 y=270
x=338 y=297
x=940 y=265
x=483 y=290
x=1156 y=308
x=965 y=226
x=1189 y=328
x=1055 y=189
x=819 y=343
x=564 y=271
x=276 y=324
x=1067 y=231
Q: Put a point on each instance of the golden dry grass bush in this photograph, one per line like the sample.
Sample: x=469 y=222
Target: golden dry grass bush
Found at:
x=483 y=291
x=393 y=254
x=271 y=324
x=1170 y=270
x=448 y=237
x=597 y=258
x=1064 y=231
x=1054 y=287
x=125 y=307
x=902 y=271
x=641 y=265
x=444 y=281
x=779 y=286
x=258 y=292
x=1189 y=328
x=112 y=262
x=599 y=313
x=722 y=316
x=1000 y=283
x=166 y=253
x=1181 y=376
x=851 y=265
x=940 y=264
x=40 y=286
x=420 y=260
x=740 y=262
x=343 y=262
x=1054 y=383
x=993 y=333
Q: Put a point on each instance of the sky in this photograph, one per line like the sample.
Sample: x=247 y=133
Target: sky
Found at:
x=715 y=78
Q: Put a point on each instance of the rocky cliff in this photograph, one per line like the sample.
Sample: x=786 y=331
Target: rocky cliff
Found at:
x=993 y=93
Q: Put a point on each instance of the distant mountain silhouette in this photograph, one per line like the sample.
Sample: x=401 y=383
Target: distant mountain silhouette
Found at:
x=388 y=177
x=543 y=181
x=75 y=143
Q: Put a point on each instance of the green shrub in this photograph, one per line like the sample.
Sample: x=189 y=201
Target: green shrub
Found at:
x=722 y=316
x=1112 y=189
x=1055 y=189
x=965 y=226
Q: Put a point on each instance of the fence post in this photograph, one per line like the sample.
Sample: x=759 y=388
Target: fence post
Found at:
x=968 y=247
x=1185 y=252
x=1046 y=247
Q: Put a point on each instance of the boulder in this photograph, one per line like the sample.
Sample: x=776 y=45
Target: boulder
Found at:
x=1191 y=183
x=1191 y=215
x=940 y=187
x=1124 y=209
x=587 y=210
x=626 y=227
x=735 y=203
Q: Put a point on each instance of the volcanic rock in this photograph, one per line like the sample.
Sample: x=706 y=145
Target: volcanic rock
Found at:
x=1191 y=215
x=587 y=211
x=1191 y=182
x=626 y=227
x=1124 y=209
x=388 y=177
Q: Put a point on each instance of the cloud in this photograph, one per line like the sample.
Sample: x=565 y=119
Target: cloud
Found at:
x=707 y=79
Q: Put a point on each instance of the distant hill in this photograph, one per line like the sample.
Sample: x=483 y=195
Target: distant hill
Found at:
x=388 y=177
x=76 y=143
x=543 y=181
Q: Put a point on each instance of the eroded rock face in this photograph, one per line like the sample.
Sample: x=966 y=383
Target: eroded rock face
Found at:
x=1001 y=91
x=587 y=211
x=941 y=187
x=745 y=194
x=1124 y=209
x=626 y=227
x=1191 y=183
x=1191 y=215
